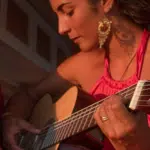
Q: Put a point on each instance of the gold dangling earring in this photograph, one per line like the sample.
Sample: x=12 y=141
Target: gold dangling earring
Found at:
x=104 y=29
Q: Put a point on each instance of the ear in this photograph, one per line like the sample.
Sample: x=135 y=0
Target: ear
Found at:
x=107 y=5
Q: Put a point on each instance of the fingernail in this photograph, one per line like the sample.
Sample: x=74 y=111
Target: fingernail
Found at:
x=37 y=130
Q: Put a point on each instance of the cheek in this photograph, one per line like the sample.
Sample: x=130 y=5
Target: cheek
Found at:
x=90 y=32
x=78 y=23
x=85 y=25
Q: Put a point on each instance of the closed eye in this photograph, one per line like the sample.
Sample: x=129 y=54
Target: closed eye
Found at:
x=70 y=13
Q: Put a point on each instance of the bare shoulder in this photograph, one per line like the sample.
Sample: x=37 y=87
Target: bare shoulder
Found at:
x=68 y=69
x=58 y=81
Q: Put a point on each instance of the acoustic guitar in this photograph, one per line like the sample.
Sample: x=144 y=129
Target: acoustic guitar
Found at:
x=71 y=121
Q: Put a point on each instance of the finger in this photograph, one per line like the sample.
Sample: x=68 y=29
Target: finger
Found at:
x=124 y=100
x=27 y=126
x=117 y=124
x=119 y=110
x=124 y=126
x=14 y=147
x=11 y=143
x=105 y=125
x=111 y=114
x=124 y=122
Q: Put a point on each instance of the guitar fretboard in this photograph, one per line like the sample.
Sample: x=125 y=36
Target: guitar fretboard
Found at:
x=77 y=122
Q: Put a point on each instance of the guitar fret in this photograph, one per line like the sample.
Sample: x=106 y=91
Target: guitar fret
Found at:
x=47 y=140
x=82 y=121
x=92 y=121
x=73 y=124
x=60 y=133
x=56 y=135
x=71 y=129
x=76 y=121
x=51 y=136
x=84 y=118
x=80 y=125
x=91 y=118
x=68 y=129
x=59 y=130
x=76 y=125
x=64 y=129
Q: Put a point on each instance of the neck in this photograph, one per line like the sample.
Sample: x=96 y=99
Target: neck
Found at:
x=125 y=38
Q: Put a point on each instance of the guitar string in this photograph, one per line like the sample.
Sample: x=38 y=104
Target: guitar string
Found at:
x=98 y=102
x=55 y=137
x=87 y=107
x=56 y=128
x=71 y=117
x=123 y=92
x=74 y=115
x=91 y=112
x=88 y=114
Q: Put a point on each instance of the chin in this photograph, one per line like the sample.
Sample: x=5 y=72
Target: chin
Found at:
x=87 y=47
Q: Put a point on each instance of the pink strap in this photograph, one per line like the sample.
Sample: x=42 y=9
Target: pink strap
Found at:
x=141 y=53
x=106 y=65
x=139 y=56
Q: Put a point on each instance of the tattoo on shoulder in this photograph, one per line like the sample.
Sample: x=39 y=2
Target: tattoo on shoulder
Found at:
x=124 y=35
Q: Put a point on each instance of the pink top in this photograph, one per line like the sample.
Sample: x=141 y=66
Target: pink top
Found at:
x=106 y=86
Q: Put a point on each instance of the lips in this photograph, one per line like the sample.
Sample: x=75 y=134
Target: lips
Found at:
x=75 y=39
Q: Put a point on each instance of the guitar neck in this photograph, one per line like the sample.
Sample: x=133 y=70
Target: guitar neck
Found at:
x=78 y=122
x=83 y=120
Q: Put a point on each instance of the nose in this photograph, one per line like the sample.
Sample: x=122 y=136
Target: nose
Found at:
x=63 y=27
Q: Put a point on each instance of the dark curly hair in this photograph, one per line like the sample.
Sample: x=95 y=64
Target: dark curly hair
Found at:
x=136 y=10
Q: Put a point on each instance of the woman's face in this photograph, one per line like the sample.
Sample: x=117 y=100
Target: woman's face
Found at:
x=79 y=21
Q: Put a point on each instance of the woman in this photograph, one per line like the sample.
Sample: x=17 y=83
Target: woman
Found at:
x=114 y=55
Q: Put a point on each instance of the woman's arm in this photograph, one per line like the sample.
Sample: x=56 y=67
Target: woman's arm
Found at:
x=21 y=104
x=56 y=83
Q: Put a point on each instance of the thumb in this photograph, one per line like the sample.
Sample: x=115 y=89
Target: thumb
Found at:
x=29 y=127
x=125 y=100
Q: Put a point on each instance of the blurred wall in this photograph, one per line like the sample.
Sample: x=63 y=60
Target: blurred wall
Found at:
x=29 y=46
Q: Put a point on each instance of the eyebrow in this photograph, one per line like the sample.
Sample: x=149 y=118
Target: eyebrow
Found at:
x=60 y=7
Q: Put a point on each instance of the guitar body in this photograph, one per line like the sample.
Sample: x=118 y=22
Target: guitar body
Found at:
x=42 y=113
x=46 y=112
